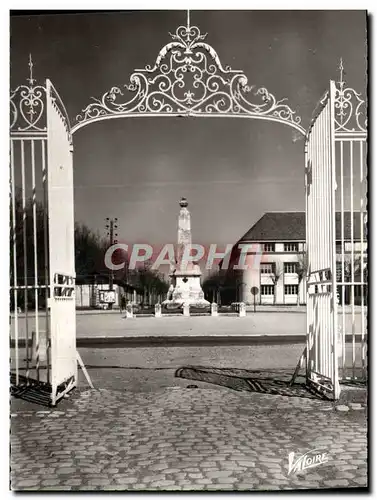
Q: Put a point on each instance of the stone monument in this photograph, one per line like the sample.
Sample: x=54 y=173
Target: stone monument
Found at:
x=185 y=287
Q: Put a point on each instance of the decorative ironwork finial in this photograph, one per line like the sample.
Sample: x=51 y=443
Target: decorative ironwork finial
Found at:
x=31 y=80
x=350 y=109
x=27 y=106
x=341 y=74
x=188 y=20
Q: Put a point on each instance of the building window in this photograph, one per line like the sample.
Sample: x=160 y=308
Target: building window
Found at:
x=290 y=289
x=269 y=247
x=267 y=268
x=290 y=267
x=267 y=289
x=290 y=247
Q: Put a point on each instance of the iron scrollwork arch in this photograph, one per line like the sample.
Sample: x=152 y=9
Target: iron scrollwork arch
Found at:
x=188 y=79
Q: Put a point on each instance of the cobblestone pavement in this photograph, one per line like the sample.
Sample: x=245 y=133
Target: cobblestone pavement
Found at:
x=185 y=439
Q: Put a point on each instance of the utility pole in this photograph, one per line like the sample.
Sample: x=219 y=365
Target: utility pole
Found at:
x=111 y=226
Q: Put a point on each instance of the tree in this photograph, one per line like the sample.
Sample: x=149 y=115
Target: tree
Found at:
x=27 y=251
x=148 y=281
x=356 y=273
x=301 y=271
x=90 y=251
x=224 y=284
x=345 y=276
x=277 y=272
x=21 y=240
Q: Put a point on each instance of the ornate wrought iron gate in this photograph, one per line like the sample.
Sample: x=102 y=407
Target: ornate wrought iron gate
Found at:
x=42 y=317
x=336 y=240
x=350 y=150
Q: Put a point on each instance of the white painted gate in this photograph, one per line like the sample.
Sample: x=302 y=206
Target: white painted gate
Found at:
x=322 y=368
x=61 y=246
x=336 y=231
x=351 y=234
x=42 y=294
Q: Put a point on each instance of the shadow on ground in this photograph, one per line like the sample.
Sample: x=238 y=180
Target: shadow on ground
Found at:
x=275 y=382
x=264 y=381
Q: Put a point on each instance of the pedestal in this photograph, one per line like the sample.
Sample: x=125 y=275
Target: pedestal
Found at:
x=157 y=311
x=214 y=311
x=242 y=310
x=129 y=311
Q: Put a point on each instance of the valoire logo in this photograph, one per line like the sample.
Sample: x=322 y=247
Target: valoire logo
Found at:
x=310 y=459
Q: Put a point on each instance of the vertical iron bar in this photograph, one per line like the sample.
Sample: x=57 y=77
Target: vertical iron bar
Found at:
x=34 y=201
x=315 y=249
x=329 y=246
x=320 y=203
x=312 y=250
x=352 y=266
x=343 y=288
x=325 y=213
x=325 y=263
x=46 y=258
x=307 y=160
x=309 y=250
x=325 y=229
x=362 y=260
x=24 y=222
x=335 y=374
x=14 y=235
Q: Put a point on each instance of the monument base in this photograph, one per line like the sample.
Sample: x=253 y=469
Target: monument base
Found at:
x=186 y=290
x=178 y=304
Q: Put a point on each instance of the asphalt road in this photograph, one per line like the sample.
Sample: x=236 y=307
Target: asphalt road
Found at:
x=116 y=325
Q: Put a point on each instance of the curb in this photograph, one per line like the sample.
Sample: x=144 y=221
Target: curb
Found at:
x=188 y=340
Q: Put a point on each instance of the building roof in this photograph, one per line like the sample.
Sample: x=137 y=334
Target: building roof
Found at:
x=290 y=226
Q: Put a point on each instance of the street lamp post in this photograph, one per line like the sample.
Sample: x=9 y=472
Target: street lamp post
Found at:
x=111 y=225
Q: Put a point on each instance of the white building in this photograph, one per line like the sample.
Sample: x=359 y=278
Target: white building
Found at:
x=276 y=256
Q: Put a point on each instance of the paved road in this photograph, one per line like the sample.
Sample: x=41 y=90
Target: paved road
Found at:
x=115 y=324
x=186 y=439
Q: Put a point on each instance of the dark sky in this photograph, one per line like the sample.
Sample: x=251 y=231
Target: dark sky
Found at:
x=231 y=170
